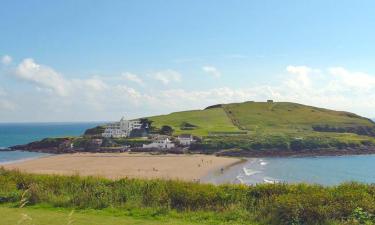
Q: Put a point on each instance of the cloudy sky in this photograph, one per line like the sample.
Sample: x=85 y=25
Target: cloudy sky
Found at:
x=98 y=60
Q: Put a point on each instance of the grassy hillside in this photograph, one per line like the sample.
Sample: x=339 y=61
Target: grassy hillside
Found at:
x=259 y=116
x=210 y=120
x=289 y=116
x=271 y=125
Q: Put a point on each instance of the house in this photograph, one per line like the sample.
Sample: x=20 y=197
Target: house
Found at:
x=185 y=139
x=270 y=101
x=160 y=143
x=121 y=128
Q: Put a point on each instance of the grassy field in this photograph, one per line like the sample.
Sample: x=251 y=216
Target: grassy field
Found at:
x=206 y=121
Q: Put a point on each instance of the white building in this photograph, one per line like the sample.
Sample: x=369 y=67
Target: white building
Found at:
x=121 y=129
x=160 y=143
x=185 y=139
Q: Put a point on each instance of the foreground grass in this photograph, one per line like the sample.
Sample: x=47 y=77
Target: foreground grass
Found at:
x=60 y=216
x=177 y=202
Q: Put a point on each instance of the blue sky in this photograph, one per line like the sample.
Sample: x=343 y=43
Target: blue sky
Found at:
x=98 y=60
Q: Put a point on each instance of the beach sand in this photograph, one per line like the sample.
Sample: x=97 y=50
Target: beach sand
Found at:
x=120 y=165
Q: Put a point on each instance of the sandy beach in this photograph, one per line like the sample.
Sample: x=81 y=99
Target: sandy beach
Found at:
x=120 y=165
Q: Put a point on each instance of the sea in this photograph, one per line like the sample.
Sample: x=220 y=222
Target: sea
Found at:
x=324 y=170
x=22 y=133
x=327 y=170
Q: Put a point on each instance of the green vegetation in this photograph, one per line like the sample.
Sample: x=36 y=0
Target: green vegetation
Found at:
x=177 y=202
x=132 y=142
x=96 y=131
x=284 y=116
x=271 y=125
x=60 y=216
x=204 y=121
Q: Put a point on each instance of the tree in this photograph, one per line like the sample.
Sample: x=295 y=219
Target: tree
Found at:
x=166 y=130
x=146 y=123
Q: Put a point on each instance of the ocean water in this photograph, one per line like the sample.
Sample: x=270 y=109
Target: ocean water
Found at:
x=327 y=170
x=22 y=133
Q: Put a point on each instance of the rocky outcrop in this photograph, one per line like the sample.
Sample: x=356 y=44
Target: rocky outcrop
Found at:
x=96 y=131
x=48 y=145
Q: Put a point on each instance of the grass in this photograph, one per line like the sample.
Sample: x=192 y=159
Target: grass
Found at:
x=271 y=125
x=49 y=199
x=60 y=216
x=205 y=121
x=289 y=116
x=259 y=117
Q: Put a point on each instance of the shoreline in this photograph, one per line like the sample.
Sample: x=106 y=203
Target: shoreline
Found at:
x=126 y=165
x=23 y=159
x=301 y=153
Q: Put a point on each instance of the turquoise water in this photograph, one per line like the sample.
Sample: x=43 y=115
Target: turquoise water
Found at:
x=22 y=133
x=321 y=170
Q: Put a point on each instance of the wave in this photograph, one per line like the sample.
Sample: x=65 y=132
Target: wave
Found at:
x=239 y=178
x=20 y=158
x=262 y=162
x=270 y=180
x=249 y=172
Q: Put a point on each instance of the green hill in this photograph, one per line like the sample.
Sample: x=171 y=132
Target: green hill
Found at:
x=200 y=122
x=255 y=116
x=245 y=128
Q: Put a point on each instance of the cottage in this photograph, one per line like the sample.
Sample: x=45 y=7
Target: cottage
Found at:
x=185 y=139
x=121 y=128
x=160 y=143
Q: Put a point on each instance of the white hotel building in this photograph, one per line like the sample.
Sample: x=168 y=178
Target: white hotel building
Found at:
x=121 y=129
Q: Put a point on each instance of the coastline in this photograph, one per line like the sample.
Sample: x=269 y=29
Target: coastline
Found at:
x=300 y=153
x=23 y=158
x=127 y=165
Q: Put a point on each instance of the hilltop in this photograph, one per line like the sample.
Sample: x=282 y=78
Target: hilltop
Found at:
x=276 y=128
x=271 y=117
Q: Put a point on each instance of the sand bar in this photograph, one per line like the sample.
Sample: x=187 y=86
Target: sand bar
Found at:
x=120 y=165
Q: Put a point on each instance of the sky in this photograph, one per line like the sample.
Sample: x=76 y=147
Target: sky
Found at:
x=69 y=61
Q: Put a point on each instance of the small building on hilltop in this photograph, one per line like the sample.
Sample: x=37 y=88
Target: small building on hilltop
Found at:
x=185 y=139
x=160 y=143
x=121 y=128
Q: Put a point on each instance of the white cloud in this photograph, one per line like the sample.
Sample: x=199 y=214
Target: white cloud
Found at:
x=349 y=79
x=211 y=70
x=128 y=92
x=167 y=76
x=132 y=77
x=7 y=105
x=94 y=99
x=42 y=76
x=6 y=60
x=93 y=84
x=300 y=70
